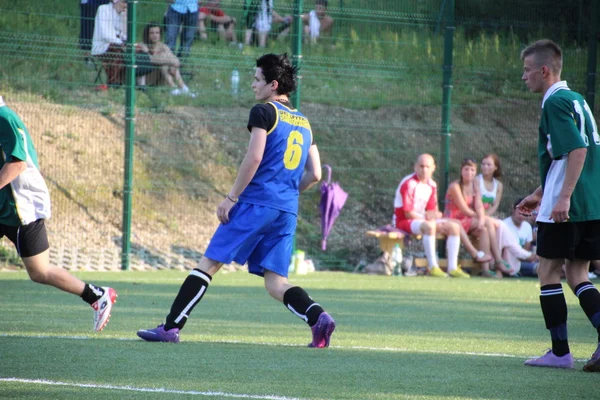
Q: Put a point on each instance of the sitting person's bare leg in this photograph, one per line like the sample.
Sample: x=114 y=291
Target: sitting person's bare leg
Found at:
x=178 y=79
x=166 y=74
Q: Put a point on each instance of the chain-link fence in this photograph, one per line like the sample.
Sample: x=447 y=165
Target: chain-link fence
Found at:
x=371 y=85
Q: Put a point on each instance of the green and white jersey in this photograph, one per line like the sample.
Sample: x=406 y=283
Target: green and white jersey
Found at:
x=567 y=124
x=25 y=199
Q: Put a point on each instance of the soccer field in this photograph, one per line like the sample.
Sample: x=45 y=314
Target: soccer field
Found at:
x=397 y=338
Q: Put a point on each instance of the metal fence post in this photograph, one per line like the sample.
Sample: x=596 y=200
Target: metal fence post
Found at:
x=297 y=50
x=446 y=99
x=129 y=133
x=592 y=54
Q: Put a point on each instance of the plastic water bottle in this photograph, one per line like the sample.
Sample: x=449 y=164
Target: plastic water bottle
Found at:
x=235 y=82
x=397 y=259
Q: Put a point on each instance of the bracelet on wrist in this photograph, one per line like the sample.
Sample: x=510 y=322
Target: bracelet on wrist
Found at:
x=232 y=199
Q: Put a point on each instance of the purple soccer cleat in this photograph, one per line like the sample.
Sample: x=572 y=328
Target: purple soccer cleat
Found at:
x=549 y=360
x=322 y=331
x=159 y=334
x=593 y=365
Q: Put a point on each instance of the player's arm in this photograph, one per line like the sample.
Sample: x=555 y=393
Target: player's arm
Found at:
x=312 y=169
x=407 y=192
x=530 y=203
x=248 y=168
x=432 y=212
x=252 y=159
x=494 y=207
x=10 y=171
x=459 y=200
x=478 y=205
x=575 y=161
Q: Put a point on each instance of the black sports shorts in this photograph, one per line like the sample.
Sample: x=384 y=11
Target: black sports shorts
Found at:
x=30 y=240
x=570 y=240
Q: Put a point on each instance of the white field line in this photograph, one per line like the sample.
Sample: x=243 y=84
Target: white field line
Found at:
x=146 y=390
x=367 y=348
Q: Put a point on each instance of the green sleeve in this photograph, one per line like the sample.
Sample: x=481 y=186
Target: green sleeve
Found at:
x=563 y=126
x=11 y=140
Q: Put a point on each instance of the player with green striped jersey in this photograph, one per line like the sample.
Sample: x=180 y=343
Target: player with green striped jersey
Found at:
x=25 y=199
x=569 y=215
x=567 y=124
x=24 y=207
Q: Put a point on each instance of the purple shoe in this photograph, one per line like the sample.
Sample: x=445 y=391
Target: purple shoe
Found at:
x=549 y=360
x=322 y=331
x=159 y=334
x=593 y=365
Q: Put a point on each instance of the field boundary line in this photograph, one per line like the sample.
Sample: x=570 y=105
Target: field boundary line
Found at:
x=147 y=390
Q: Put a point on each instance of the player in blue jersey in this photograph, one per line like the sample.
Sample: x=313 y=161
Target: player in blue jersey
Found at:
x=568 y=199
x=258 y=215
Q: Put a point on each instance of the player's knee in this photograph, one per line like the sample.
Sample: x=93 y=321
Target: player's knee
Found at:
x=38 y=275
x=451 y=228
x=428 y=227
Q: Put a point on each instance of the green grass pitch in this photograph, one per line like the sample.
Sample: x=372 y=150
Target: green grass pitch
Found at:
x=397 y=338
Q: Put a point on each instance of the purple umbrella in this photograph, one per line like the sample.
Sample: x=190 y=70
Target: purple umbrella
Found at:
x=333 y=199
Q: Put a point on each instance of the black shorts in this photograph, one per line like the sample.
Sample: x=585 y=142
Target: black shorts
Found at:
x=570 y=240
x=30 y=240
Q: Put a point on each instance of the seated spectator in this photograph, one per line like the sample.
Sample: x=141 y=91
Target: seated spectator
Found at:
x=110 y=35
x=167 y=65
x=416 y=212
x=463 y=203
x=181 y=15
x=88 y=9
x=219 y=21
x=489 y=184
x=316 y=22
x=517 y=245
x=259 y=16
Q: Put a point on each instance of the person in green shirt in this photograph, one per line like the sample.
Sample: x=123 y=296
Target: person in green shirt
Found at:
x=569 y=201
x=25 y=205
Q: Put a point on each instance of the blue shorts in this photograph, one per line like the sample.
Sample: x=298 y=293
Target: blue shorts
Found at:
x=261 y=236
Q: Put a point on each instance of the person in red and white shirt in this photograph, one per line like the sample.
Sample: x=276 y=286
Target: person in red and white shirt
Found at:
x=416 y=211
x=221 y=22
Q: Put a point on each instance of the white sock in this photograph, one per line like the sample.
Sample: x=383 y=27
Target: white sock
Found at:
x=452 y=247
x=185 y=89
x=429 y=247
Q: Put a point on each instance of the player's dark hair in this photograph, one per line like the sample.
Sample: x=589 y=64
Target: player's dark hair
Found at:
x=146 y=34
x=498 y=172
x=546 y=53
x=321 y=3
x=277 y=67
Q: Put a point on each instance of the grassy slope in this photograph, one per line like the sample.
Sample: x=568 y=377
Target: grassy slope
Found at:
x=374 y=100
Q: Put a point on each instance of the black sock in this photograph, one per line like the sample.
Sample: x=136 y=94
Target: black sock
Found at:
x=554 y=308
x=91 y=293
x=589 y=300
x=190 y=293
x=300 y=303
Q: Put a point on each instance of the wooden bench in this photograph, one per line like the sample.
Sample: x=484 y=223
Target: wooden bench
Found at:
x=388 y=240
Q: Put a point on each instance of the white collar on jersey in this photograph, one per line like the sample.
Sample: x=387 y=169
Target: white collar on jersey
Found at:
x=553 y=89
x=2 y=102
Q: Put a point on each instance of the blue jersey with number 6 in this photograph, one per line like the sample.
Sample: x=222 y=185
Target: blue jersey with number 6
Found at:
x=276 y=181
